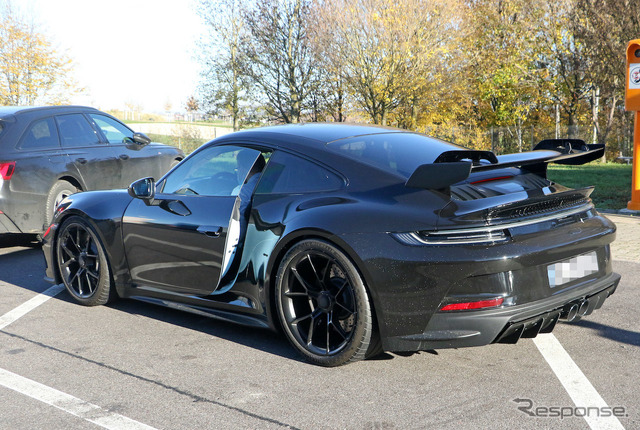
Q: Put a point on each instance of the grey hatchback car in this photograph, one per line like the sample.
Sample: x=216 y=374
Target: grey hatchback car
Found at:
x=48 y=153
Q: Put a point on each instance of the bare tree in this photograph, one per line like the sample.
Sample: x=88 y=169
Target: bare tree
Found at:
x=224 y=85
x=279 y=59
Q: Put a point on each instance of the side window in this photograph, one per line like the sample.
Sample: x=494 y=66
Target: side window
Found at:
x=76 y=131
x=215 y=171
x=113 y=130
x=42 y=134
x=289 y=174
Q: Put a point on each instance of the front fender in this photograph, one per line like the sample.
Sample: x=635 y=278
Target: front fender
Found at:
x=103 y=210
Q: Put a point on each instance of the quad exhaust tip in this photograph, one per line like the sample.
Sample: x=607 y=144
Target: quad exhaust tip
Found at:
x=574 y=311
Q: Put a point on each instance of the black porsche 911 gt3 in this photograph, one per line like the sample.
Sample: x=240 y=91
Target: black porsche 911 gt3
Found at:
x=353 y=239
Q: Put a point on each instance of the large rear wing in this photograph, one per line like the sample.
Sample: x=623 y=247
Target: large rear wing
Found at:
x=451 y=167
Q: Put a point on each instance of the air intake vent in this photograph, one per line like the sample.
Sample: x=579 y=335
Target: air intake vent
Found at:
x=533 y=209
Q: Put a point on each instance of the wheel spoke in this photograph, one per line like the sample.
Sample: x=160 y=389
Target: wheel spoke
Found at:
x=313 y=268
x=302 y=318
x=67 y=251
x=345 y=282
x=302 y=282
x=73 y=242
x=328 y=348
x=326 y=270
x=66 y=264
x=94 y=275
x=294 y=294
x=78 y=276
x=90 y=286
x=338 y=328
x=351 y=312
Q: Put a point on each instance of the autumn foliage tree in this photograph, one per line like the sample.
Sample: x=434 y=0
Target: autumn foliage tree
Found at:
x=31 y=71
x=386 y=51
x=483 y=73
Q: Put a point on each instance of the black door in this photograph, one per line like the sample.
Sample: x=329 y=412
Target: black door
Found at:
x=186 y=241
x=178 y=245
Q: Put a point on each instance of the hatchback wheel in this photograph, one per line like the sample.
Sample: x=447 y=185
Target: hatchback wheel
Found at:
x=57 y=194
x=323 y=304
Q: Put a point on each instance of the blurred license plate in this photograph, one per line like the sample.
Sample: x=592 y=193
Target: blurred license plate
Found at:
x=574 y=268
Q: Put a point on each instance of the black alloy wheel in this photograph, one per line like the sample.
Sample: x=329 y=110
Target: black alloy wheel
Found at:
x=323 y=304
x=82 y=263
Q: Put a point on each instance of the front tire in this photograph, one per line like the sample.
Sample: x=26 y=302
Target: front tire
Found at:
x=323 y=305
x=82 y=263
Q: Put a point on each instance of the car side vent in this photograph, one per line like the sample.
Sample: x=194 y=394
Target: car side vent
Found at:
x=538 y=208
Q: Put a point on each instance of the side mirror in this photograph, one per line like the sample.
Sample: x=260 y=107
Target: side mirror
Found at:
x=144 y=189
x=141 y=139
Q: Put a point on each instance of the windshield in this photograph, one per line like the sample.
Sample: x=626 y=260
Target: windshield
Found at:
x=399 y=153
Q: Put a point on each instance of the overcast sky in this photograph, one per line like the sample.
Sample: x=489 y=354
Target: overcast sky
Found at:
x=125 y=51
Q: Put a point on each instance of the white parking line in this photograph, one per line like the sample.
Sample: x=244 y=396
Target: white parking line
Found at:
x=68 y=403
x=51 y=396
x=583 y=394
x=29 y=305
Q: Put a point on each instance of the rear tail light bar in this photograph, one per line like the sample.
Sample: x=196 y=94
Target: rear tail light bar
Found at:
x=450 y=237
x=7 y=169
x=482 y=304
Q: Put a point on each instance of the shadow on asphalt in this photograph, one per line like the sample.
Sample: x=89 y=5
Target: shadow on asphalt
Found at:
x=257 y=338
x=616 y=334
x=11 y=240
x=27 y=272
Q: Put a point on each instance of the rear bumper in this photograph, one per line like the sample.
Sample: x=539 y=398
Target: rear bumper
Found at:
x=504 y=325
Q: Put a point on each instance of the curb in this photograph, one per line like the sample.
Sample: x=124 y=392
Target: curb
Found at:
x=626 y=212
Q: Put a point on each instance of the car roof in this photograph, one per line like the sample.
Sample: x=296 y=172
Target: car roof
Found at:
x=315 y=133
x=6 y=111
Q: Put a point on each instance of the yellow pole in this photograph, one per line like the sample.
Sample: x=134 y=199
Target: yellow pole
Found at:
x=634 y=204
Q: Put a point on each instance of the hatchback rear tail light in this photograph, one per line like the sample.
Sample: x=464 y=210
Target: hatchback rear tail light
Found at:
x=7 y=169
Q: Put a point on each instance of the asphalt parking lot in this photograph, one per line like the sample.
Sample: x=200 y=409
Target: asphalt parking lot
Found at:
x=133 y=365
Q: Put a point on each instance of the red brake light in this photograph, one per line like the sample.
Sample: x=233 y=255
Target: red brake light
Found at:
x=491 y=179
x=473 y=305
x=7 y=169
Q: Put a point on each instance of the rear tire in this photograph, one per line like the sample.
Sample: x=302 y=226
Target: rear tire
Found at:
x=323 y=305
x=58 y=192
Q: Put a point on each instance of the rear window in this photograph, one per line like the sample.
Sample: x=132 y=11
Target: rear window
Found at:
x=399 y=153
x=41 y=134
x=290 y=174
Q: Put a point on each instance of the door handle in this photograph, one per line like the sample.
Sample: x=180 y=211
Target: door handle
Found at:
x=124 y=157
x=210 y=230
x=81 y=160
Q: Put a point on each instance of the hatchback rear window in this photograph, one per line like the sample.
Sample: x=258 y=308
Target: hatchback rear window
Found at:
x=41 y=134
x=399 y=153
